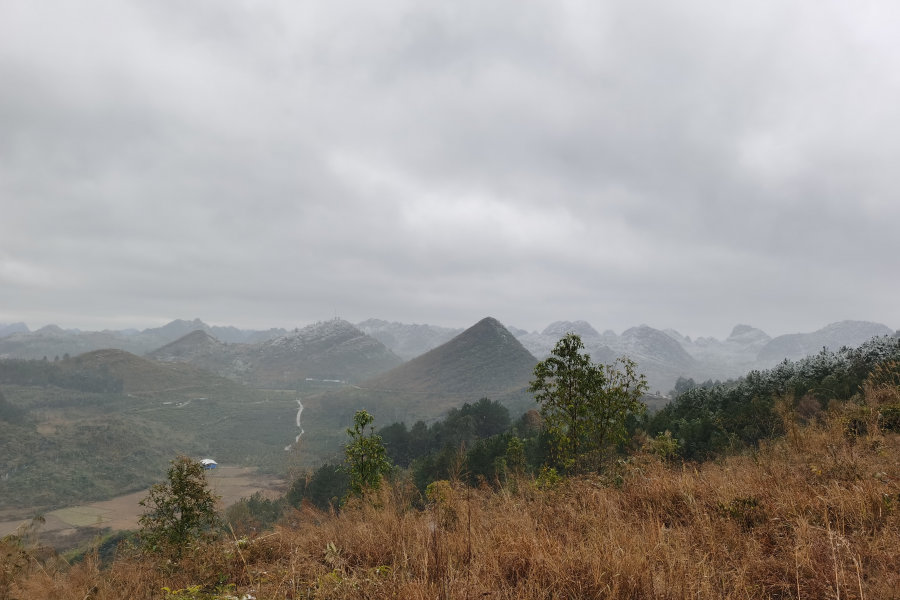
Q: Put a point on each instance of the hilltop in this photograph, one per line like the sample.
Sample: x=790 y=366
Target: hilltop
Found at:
x=408 y=341
x=16 y=341
x=142 y=375
x=664 y=355
x=52 y=341
x=834 y=336
x=659 y=357
x=329 y=350
x=485 y=360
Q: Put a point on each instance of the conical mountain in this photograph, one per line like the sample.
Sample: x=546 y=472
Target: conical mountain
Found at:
x=484 y=360
x=197 y=348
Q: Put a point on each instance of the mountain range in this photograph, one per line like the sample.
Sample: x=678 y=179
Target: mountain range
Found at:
x=374 y=346
x=328 y=350
x=408 y=341
x=664 y=355
x=17 y=341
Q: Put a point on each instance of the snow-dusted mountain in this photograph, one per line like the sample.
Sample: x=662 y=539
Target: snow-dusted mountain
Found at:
x=12 y=328
x=834 y=336
x=408 y=341
x=665 y=355
x=733 y=357
x=660 y=357
x=332 y=349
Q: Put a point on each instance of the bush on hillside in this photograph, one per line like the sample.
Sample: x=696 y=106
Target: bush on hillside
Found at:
x=180 y=512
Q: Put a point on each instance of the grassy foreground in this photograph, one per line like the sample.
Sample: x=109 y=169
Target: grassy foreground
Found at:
x=815 y=514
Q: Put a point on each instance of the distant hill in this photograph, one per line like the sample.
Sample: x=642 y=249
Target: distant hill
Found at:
x=663 y=356
x=797 y=345
x=658 y=355
x=407 y=341
x=51 y=341
x=327 y=350
x=143 y=375
x=485 y=360
x=6 y=330
x=255 y=337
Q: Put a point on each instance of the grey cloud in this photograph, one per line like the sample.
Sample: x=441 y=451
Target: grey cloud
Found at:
x=688 y=166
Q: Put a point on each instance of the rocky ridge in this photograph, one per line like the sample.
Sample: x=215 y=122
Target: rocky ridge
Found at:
x=328 y=350
x=408 y=341
x=664 y=355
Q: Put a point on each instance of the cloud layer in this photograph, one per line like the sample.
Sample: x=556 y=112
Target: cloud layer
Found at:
x=689 y=165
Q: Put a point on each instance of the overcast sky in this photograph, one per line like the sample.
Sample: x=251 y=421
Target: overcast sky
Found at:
x=685 y=164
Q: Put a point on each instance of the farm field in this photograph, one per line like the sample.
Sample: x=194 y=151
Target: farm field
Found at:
x=66 y=527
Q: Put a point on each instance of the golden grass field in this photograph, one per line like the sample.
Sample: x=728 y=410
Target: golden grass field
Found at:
x=813 y=515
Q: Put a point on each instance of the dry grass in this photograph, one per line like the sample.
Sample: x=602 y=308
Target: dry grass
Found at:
x=814 y=515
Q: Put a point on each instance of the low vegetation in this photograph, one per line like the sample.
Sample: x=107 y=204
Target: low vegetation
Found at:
x=795 y=494
x=63 y=442
x=813 y=514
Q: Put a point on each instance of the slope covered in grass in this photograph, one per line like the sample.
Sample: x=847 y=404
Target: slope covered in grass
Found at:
x=812 y=515
x=143 y=375
x=64 y=445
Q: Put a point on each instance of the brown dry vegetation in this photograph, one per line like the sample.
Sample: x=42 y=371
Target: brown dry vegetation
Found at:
x=813 y=515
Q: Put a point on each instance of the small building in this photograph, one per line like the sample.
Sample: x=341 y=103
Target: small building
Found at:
x=209 y=463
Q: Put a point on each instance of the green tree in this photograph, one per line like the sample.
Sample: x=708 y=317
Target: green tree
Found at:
x=584 y=405
x=366 y=458
x=323 y=488
x=516 y=460
x=618 y=395
x=180 y=511
x=9 y=412
x=561 y=385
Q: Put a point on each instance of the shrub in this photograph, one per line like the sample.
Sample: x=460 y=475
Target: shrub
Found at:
x=181 y=511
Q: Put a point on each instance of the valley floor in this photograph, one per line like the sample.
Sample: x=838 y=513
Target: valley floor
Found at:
x=65 y=528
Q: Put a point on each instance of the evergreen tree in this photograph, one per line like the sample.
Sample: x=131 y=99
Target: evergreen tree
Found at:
x=585 y=405
x=180 y=511
x=366 y=458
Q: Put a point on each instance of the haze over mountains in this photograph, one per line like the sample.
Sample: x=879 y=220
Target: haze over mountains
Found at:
x=197 y=387
x=17 y=341
x=329 y=350
x=408 y=341
x=664 y=355
x=340 y=350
